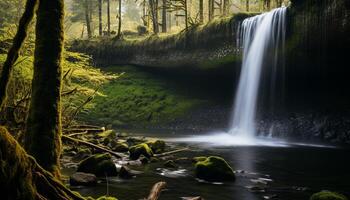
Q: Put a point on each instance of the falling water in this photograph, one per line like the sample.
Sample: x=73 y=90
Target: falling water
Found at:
x=259 y=36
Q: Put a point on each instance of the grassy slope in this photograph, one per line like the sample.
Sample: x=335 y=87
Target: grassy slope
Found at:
x=138 y=99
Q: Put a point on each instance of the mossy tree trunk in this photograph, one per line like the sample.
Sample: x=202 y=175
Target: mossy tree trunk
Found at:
x=43 y=134
x=211 y=9
x=225 y=7
x=13 y=53
x=247 y=5
x=152 y=5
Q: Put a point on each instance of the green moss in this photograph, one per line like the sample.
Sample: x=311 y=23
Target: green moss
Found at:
x=157 y=146
x=106 y=198
x=138 y=98
x=120 y=147
x=214 y=168
x=199 y=158
x=327 y=195
x=99 y=164
x=140 y=149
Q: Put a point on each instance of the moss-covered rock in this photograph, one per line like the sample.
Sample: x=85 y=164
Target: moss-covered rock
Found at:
x=140 y=149
x=328 y=195
x=84 y=179
x=214 y=168
x=106 y=198
x=99 y=164
x=199 y=158
x=120 y=146
x=157 y=146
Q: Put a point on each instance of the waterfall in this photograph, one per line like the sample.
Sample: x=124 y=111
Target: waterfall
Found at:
x=259 y=37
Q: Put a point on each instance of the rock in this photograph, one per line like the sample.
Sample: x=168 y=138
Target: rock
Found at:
x=99 y=164
x=83 y=153
x=144 y=160
x=106 y=141
x=84 y=179
x=120 y=147
x=106 y=198
x=199 y=158
x=135 y=140
x=328 y=195
x=157 y=146
x=125 y=173
x=214 y=168
x=140 y=149
x=170 y=164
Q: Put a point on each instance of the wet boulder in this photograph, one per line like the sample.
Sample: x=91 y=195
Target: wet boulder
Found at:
x=328 y=195
x=99 y=164
x=214 y=168
x=141 y=149
x=157 y=146
x=84 y=179
x=120 y=147
x=170 y=164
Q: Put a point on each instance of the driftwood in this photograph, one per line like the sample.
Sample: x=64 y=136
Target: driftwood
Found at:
x=171 y=152
x=101 y=148
x=193 y=198
x=79 y=133
x=156 y=190
x=90 y=130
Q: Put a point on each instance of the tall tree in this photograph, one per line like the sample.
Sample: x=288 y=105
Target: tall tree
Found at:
x=164 y=16
x=201 y=12
x=100 y=17
x=119 y=19
x=154 y=14
x=88 y=18
x=13 y=53
x=247 y=5
x=211 y=9
x=108 y=17
x=43 y=134
x=225 y=7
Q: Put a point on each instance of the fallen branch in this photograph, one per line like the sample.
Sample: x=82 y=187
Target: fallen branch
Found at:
x=79 y=133
x=117 y=155
x=156 y=190
x=92 y=130
x=171 y=152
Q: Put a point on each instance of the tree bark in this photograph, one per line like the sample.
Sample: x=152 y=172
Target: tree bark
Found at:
x=100 y=17
x=119 y=19
x=13 y=53
x=164 y=17
x=156 y=190
x=43 y=134
x=87 y=18
x=247 y=5
x=201 y=12
x=225 y=7
x=186 y=14
x=154 y=16
x=21 y=177
x=108 y=18
x=211 y=9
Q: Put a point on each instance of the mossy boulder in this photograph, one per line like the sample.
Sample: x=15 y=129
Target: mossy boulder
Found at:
x=157 y=146
x=106 y=198
x=140 y=149
x=99 y=164
x=328 y=195
x=120 y=146
x=214 y=168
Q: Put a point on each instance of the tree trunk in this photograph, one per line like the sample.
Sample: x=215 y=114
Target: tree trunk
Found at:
x=120 y=18
x=201 y=13
x=225 y=7
x=247 y=5
x=211 y=9
x=100 y=17
x=21 y=177
x=43 y=134
x=108 y=18
x=186 y=14
x=154 y=16
x=12 y=54
x=164 y=17
x=87 y=18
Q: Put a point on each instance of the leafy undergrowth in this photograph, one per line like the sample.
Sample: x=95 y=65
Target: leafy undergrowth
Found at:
x=138 y=99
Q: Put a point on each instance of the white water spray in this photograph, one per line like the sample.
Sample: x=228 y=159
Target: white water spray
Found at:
x=257 y=36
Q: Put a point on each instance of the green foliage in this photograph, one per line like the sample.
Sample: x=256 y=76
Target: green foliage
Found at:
x=214 y=168
x=328 y=195
x=140 y=149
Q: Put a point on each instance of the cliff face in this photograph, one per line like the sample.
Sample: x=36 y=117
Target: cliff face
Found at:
x=313 y=97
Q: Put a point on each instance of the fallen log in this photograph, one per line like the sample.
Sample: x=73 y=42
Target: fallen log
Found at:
x=89 y=144
x=156 y=190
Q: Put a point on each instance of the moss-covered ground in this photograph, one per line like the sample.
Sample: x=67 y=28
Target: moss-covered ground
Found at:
x=139 y=98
